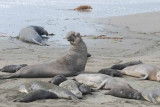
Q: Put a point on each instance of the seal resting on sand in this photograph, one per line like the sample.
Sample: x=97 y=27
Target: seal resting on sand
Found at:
x=143 y=71
x=44 y=90
x=100 y=81
x=12 y=68
x=69 y=65
x=58 y=79
x=72 y=86
x=111 y=72
x=123 y=65
x=128 y=93
x=151 y=95
x=33 y=34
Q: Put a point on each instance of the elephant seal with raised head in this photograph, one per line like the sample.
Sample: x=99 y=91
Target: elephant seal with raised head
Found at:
x=33 y=34
x=143 y=71
x=71 y=64
x=43 y=90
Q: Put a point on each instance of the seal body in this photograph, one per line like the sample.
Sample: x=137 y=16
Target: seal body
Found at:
x=12 y=68
x=72 y=86
x=33 y=34
x=40 y=85
x=111 y=72
x=151 y=95
x=100 y=81
x=143 y=71
x=123 y=65
x=128 y=93
x=58 y=79
x=37 y=95
x=71 y=64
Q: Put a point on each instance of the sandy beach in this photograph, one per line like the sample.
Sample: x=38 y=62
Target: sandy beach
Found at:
x=140 y=33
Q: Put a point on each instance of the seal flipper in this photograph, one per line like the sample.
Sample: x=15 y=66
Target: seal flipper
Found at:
x=14 y=75
x=37 y=95
x=152 y=98
x=144 y=77
x=101 y=85
x=74 y=98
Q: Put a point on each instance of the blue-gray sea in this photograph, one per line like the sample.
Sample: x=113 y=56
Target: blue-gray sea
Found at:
x=16 y=14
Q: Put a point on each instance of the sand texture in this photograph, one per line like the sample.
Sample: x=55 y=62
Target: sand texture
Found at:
x=140 y=33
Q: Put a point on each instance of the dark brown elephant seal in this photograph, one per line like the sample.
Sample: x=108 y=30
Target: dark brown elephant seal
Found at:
x=71 y=64
x=111 y=72
x=123 y=65
x=44 y=90
x=128 y=93
x=33 y=34
x=12 y=68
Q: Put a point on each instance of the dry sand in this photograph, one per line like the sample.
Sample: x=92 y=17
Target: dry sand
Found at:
x=140 y=33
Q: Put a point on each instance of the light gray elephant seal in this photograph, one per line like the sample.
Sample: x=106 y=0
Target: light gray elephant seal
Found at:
x=100 y=81
x=151 y=95
x=49 y=91
x=143 y=71
x=58 y=79
x=12 y=68
x=128 y=93
x=33 y=34
x=71 y=64
x=72 y=86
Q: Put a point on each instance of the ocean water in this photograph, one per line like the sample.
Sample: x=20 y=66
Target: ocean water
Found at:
x=54 y=16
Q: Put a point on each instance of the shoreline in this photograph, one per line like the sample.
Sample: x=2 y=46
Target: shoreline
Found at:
x=140 y=42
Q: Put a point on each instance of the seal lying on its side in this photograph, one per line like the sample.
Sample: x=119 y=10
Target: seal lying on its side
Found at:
x=58 y=79
x=12 y=68
x=122 y=66
x=144 y=71
x=128 y=93
x=111 y=72
x=151 y=95
x=50 y=91
x=100 y=81
x=71 y=64
x=72 y=86
x=33 y=34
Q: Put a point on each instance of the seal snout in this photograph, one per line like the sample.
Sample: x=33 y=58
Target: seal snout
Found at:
x=70 y=36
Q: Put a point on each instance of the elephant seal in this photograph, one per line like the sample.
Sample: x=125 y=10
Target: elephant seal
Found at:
x=12 y=68
x=33 y=34
x=151 y=95
x=123 y=65
x=72 y=86
x=48 y=89
x=143 y=71
x=37 y=95
x=111 y=72
x=85 y=89
x=71 y=64
x=100 y=81
x=128 y=93
x=58 y=79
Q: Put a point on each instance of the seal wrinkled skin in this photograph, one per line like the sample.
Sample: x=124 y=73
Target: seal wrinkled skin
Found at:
x=71 y=64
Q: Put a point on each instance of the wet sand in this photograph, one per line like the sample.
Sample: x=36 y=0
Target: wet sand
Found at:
x=140 y=41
